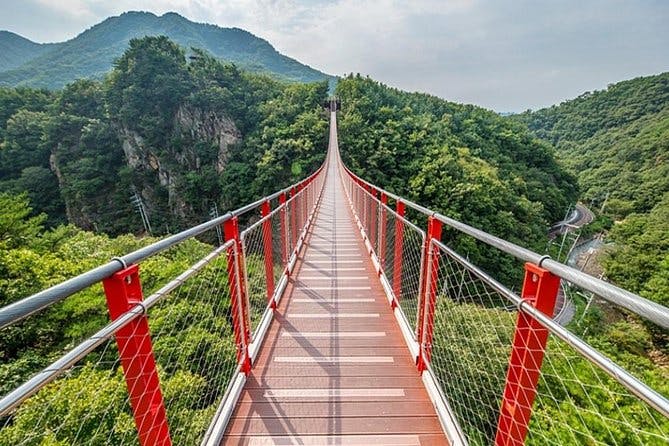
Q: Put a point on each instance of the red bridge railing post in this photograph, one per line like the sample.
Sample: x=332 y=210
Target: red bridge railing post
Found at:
x=397 y=253
x=305 y=205
x=283 y=229
x=293 y=219
x=383 y=220
x=540 y=289
x=123 y=291
x=265 y=210
x=239 y=307
x=428 y=293
x=373 y=220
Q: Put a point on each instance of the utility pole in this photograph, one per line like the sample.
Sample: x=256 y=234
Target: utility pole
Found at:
x=606 y=198
x=141 y=209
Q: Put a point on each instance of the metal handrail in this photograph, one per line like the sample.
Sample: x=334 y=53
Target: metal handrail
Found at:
x=641 y=306
x=23 y=308
x=622 y=376
x=10 y=401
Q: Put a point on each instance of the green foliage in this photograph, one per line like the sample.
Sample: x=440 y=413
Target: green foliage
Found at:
x=616 y=140
x=148 y=84
x=192 y=339
x=16 y=228
x=463 y=161
x=640 y=259
x=183 y=136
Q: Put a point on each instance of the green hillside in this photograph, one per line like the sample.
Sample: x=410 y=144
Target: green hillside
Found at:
x=617 y=143
x=181 y=134
x=461 y=160
x=16 y=50
x=92 y=53
x=615 y=140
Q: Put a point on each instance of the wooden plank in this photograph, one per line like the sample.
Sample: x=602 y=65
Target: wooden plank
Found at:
x=307 y=382
x=327 y=425
x=341 y=440
x=274 y=369
x=409 y=394
x=305 y=409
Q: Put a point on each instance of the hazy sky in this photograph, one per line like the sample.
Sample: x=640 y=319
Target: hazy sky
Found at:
x=508 y=55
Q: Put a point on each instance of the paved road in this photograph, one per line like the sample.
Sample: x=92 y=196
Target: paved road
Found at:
x=579 y=217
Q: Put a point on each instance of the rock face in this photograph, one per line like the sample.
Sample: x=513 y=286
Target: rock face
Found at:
x=207 y=126
x=73 y=214
x=167 y=165
x=171 y=179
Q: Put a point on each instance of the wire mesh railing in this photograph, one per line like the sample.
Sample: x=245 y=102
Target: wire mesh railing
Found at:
x=506 y=372
x=162 y=369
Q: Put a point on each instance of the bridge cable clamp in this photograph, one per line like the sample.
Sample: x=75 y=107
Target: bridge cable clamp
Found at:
x=145 y=310
x=543 y=259
x=123 y=263
x=522 y=301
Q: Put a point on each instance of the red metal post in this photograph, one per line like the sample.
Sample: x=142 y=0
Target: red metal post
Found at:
x=305 y=207
x=540 y=289
x=284 y=231
x=265 y=210
x=123 y=291
x=397 y=256
x=373 y=221
x=368 y=211
x=382 y=229
x=428 y=294
x=239 y=308
x=293 y=218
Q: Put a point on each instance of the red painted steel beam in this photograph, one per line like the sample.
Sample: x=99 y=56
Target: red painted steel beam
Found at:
x=374 y=220
x=123 y=291
x=397 y=254
x=284 y=230
x=293 y=218
x=428 y=294
x=383 y=229
x=540 y=289
x=265 y=210
x=240 y=311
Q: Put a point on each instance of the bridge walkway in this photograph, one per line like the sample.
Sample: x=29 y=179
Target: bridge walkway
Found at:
x=334 y=368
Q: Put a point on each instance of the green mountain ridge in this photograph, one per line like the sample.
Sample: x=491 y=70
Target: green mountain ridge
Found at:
x=16 y=50
x=616 y=141
x=92 y=53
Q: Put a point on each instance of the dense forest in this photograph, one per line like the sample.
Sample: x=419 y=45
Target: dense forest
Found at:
x=616 y=142
x=192 y=338
x=180 y=136
x=461 y=160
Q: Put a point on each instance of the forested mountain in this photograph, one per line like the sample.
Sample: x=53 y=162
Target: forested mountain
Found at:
x=183 y=137
x=461 y=160
x=617 y=142
x=90 y=55
x=16 y=50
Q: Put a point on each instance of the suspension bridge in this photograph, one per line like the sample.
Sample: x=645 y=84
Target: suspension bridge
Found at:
x=333 y=312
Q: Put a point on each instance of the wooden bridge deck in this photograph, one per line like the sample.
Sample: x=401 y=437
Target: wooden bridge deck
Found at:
x=334 y=368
